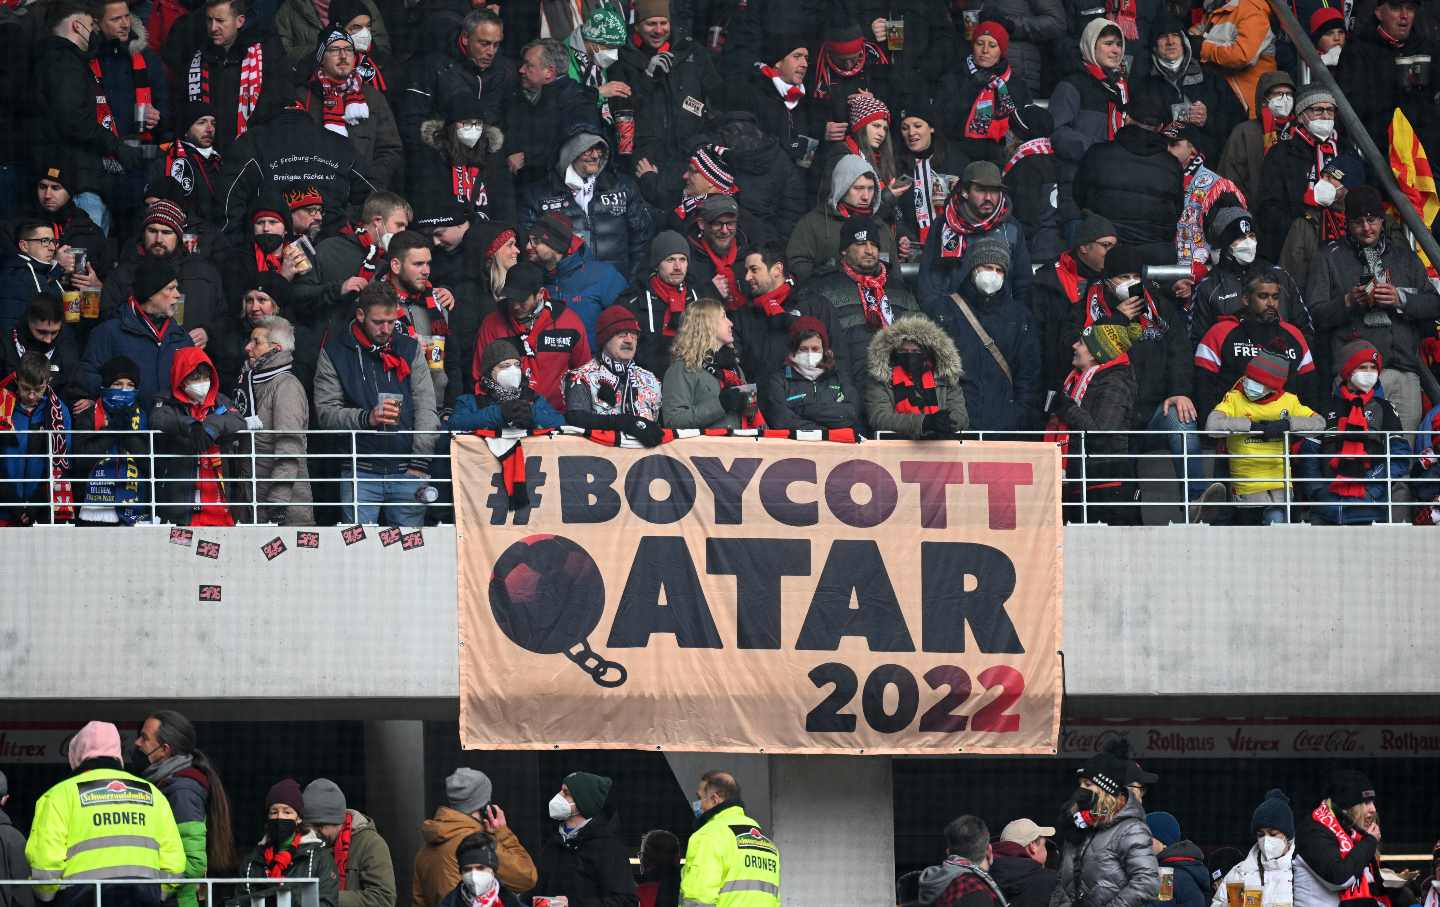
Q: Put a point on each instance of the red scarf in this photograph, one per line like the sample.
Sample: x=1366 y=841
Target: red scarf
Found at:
x=854 y=210
x=1352 y=462
x=1122 y=13
x=640 y=44
x=827 y=70
x=1274 y=128
x=1385 y=36
x=872 y=296
x=913 y=400
x=726 y=268
x=157 y=332
x=674 y=298
x=268 y=261
x=952 y=237
x=342 y=848
x=1067 y=269
x=388 y=360
x=1116 y=85
x=277 y=863
x=439 y=318
x=1345 y=841
x=252 y=75
x=791 y=94
x=335 y=97
x=141 y=80
x=773 y=302
x=1032 y=148
x=1075 y=386
x=989 y=118
x=213 y=507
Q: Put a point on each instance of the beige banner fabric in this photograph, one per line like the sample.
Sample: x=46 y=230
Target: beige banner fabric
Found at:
x=733 y=594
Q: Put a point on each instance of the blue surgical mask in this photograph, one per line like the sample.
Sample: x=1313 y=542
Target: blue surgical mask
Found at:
x=118 y=397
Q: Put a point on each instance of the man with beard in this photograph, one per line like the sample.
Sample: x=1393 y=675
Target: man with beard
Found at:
x=424 y=309
x=718 y=250
x=200 y=286
x=1225 y=350
x=659 y=302
x=339 y=99
x=194 y=162
x=763 y=325
x=307 y=212
x=611 y=392
x=551 y=338
x=1059 y=291
x=1337 y=845
x=978 y=207
x=43 y=331
x=346 y=262
x=267 y=251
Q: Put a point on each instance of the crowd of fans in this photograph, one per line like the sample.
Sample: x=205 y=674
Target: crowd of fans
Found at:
x=237 y=221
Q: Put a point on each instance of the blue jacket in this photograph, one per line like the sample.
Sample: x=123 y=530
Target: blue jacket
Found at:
x=20 y=279
x=483 y=413
x=24 y=459
x=348 y=384
x=118 y=79
x=942 y=277
x=127 y=335
x=587 y=286
x=992 y=401
x=1427 y=438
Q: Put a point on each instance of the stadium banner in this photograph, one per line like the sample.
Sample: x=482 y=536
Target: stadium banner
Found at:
x=735 y=594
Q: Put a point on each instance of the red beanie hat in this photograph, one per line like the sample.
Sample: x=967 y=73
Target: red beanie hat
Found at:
x=1355 y=354
x=615 y=320
x=808 y=324
x=866 y=109
x=996 y=31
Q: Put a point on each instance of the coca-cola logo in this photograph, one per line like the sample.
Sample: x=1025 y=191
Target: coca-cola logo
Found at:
x=1339 y=740
x=1086 y=741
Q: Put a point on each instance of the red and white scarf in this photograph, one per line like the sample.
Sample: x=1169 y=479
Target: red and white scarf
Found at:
x=252 y=75
x=1119 y=89
x=156 y=333
x=342 y=103
x=989 y=118
x=1075 y=386
x=827 y=70
x=1031 y=148
x=1122 y=13
x=790 y=94
x=1323 y=814
x=1274 y=128
x=952 y=236
x=873 y=297
x=1325 y=152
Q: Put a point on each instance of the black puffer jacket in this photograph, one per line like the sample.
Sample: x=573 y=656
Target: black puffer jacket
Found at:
x=771 y=187
x=671 y=107
x=755 y=93
x=1163 y=357
x=790 y=400
x=1135 y=182
x=1285 y=177
x=618 y=225
x=1188 y=84
x=958 y=93
x=438 y=76
x=592 y=868
x=1036 y=23
x=745 y=42
x=538 y=130
x=63 y=111
x=1034 y=186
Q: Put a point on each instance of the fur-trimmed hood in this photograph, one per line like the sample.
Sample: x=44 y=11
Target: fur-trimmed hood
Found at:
x=922 y=331
x=139 y=37
x=432 y=133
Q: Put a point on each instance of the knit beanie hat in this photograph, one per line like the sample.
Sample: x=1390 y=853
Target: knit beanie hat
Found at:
x=57 y=171
x=490 y=235
x=615 y=320
x=497 y=352
x=650 y=9
x=808 y=324
x=604 y=26
x=286 y=791
x=710 y=161
x=995 y=30
x=191 y=111
x=1353 y=355
x=924 y=109
x=166 y=214
x=466 y=788
x=1310 y=95
x=332 y=35
x=269 y=204
x=1124 y=260
x=1106 y=342
x=324 y=803
x=118 y=367
x=1092 y=227
x=1274 y=812
x=1347 y=786
x=989 y=249
x=442 y=211
x=1227 y=225
x=555 y=231
x=665 y=244
x=477 y=849
x=590 y=792
x=1363 y=201
x=1164 y=827
x=781 y=44
x=303 y=197
x=1269 y=369
x=864 y=110
x=96 y=740
x=268 y=282
x=858 y=228
x=1324 y=19
x=151 y=276
x=1105 y=770
x=1031 y=122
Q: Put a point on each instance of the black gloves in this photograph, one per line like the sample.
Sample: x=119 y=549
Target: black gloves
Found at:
x=518 y=413
x=733 y=399
x=646 y=431
x=938 y=424
x=1271 y=429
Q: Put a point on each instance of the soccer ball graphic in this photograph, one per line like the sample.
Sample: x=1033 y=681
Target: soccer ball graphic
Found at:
x=546 y=594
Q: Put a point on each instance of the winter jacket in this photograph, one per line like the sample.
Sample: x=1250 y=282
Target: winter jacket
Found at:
x=959 y=89
x=1238 y=42
x=692 y=399
x=993 y=401
x=445 y=73
x=73 y=227
x=182 y=440
x=587 y=287
x=770 y=188
x=1162 y=357
x=25 y=458
x=790 y=400
x=958 y=883
x=756 y=94
x=616 y=226
x=1059 y=317
x=224 y=66
x=348 y=384
x=558 y=339
x=1286 y=175
x=930 y=34
x=1223 y=353
x=375 y=140
x=814 y=246
x=13 y=865
x=298 y=25
x=315 y=296
x=653 y=350
x=1033 y=185
x=22 y=278
x=1037 y=24
x=482 y=412
x=120 y=492
x=1192 y=878
x=1112 y=866
x=1079 y=107
x=1396 y=334
x=369 y=874
x=591 y=868
x=199 y=282
x=18 y=35
x=670 y=108
x=942 y=276
x=282 y=488
x=430 y=172
x=127 y=335
x=63 y=125
x=1244 y=153
x=312 y=860
x=538 y=128
x=879 y=366
x=1277 y=884
x=1377 y=85
x=1102 y=459
x=1258 y=465
x=1222 y=292
x=436 y=874
x=117 y=77
x=1137 y=183
x=201 y=180
x=1319 y=878
x=749 y=25
x=1024 y=882
x=1183 y=87
x=838 y=298
x=459 y=897
x=1149 y=14
x=188 y=790
x=1320 y=871
x=764 y=340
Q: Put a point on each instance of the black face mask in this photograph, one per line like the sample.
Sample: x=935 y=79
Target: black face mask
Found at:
x=1083 y=798
x=913 y=363
x=136 y=760
x=279 y=831
x=269 y=243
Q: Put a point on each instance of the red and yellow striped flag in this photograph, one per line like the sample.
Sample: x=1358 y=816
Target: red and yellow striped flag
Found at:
x=1411 y=167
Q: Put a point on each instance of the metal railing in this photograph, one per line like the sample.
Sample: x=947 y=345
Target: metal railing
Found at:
x=1110 y=476
x=270 y=893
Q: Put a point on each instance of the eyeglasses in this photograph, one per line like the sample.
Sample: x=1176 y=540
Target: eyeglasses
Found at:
x=340 y=51
x=47 y=241
x=724 y=226
x=1322 y=111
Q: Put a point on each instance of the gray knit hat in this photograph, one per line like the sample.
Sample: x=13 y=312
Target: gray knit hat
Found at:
x=324 y=802
x=988 y=250
x=1093 y=227
x=665 y=244
x=467 y=789
x=1310 y=95
x=1227 y=225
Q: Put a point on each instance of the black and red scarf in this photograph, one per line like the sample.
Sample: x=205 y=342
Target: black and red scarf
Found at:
x=1345 y=840
x=1275 y=128
x=388 y=361
x=373 y=253
x=252 y=78
x=773 y=302
x=1350 y=464
x=369 y=71
x=914 y=399
x=957 y=228
x=674 y=299
x=688 y=205
x=63 y=497
x=208 y=168
x=468 y=187
x=1032 y=148
x=336 y=97
x=439 y=318
x=1098 y=308
x=1119 y=91
x=873 y=297
x=845 y=210
x=989 y=118
x=278 y=862
x=140 y=76
x=268 y=261
x=725 y=367
x=1075 y=386
x=725 y=267
x=1067 y=270
x=827 y=71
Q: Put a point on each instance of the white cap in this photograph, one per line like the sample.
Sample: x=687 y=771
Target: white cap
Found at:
x=1025 y=831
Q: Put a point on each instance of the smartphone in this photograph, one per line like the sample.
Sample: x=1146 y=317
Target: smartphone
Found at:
x=82 y=261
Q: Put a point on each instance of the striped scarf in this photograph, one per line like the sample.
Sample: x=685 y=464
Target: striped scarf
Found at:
x=252 y=74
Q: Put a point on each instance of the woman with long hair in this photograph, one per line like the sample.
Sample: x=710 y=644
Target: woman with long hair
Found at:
x=1107 y=859
x=705 y=386
x=933 y=164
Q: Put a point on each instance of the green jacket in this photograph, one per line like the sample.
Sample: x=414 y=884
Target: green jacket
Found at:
x=692 y=399
x=729 y=862
x=369 y=874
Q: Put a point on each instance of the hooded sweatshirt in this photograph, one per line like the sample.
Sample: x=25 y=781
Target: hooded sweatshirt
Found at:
x=934 y=880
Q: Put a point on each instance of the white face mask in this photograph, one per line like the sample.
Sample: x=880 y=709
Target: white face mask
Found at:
x=469 y=136
x=385 y=241
x=1281 y=105
x=1253 y=390
x=198 y=391
x=560 y=808
x=1273 y=848
x=1331 y=57
x=808 y=359
x=480 y=880
x=989 y=282
x=362 y=39
x=1244 y=250
x=607 y=58
x=1435 y=883
x=509 y=377
x=1364 y=381
x=1321 y=129
x=1324 y=193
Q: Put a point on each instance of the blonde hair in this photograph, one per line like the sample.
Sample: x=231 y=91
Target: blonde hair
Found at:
x=1107 y=805
x=695 y=341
